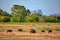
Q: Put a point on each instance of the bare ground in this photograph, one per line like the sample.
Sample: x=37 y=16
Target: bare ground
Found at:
x=42 y=36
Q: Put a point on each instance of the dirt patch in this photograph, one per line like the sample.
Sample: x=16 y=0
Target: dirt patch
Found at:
x=32 y=36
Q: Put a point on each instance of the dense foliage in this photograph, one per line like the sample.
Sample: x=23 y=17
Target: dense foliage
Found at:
x=21 y=14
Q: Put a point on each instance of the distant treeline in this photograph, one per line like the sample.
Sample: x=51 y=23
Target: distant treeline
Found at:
x=21 y=14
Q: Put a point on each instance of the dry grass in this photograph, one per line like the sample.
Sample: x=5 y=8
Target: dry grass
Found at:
x=26 y=35
x=26 y=27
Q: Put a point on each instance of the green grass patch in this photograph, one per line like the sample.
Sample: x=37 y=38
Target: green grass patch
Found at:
x=45 y=28
x=57 y=29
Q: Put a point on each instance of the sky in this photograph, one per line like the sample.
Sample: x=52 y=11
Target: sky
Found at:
x=48 y=7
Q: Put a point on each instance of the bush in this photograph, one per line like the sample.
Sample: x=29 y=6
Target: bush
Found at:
x=4 y=19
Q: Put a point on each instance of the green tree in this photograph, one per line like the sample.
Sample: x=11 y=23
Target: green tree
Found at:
x=19 y=18
x=42 y=19
x=58 y=17
x=14 y=19
x=4 y=16
x=18 y=13
x=28 y=11
x=18 y=10
x=3 y=13
x=32 y=18
x=4 y=19
x=51 y=19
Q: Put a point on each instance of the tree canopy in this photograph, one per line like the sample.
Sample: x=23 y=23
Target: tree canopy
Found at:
x=18 y=10
x=20 y=14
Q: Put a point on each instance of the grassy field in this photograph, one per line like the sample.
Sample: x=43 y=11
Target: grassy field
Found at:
x=26 y=29
x=28 y=26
